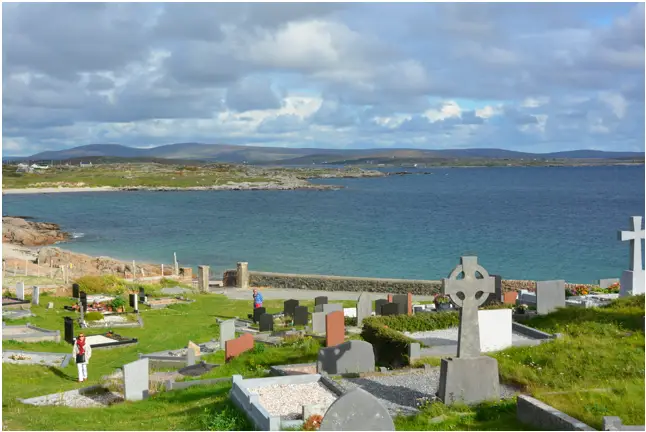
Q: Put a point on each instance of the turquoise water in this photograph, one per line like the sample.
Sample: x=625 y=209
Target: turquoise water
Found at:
x=525 y=223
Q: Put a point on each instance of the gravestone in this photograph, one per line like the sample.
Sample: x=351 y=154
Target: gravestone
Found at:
x=266 y=322
x=378 y=305
x=76 y=288
x=390 y=298
x=257 y=312
x=135 y=379
x=242 y=275
x=632 y=280
x=300 y=315
x=83 y=298
x=227 y=331
x=401 y=300
x=35 y=295
x=50 y=305
x=20 y=290
x=320 y=300
x=235 y=347
x=364 y=308
x=142 y=295
x=510 y=297
x=549 y=296
x=390 y=309
x=289 y=306
x=134 y=301
x=605 y=283
x=203 y=278
x=332 y=307
x=470 y=377
x=357 y=410
x=190 y=356
x=318 y=322
x=353 y=356
x=69 y=329
x=334 y=328
x=414 y=352
x=496 y=297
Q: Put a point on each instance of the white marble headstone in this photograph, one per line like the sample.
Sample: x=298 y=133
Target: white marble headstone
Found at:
x=20 y=290
x=632 y=280
x=495 y=329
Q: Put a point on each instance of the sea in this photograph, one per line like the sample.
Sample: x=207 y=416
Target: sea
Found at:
x=537 y=223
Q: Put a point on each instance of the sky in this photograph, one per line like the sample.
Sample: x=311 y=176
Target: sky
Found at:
x=533 y=77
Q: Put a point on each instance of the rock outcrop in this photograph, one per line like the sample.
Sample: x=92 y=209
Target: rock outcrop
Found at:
x=21 y=232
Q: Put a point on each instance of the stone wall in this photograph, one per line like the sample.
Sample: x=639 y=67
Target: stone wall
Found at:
x=356 y=284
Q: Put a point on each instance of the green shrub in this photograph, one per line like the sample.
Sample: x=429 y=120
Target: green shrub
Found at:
x=101 y=284
x=498 y=305
x=93 y=316
x=118 y=302
x=350 y=321
x=391 y=347
x=419 y=321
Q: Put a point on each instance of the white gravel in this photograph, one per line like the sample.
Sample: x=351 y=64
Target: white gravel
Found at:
x=98 y=339
x=287 y=400
x=75 y=399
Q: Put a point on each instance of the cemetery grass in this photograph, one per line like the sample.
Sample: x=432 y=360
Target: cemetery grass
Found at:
x=164 y=329
x=596 y=368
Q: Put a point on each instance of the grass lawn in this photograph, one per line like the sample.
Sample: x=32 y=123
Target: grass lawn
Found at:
x=601 y=349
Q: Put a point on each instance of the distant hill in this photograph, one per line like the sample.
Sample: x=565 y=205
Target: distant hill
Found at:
x=292 y=156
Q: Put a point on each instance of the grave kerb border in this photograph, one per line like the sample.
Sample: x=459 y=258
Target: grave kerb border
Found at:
x=47 y=333
x=64 y=363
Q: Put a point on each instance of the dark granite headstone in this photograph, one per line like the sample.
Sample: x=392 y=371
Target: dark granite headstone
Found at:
x=69 y=329
x=133 y=300
x=266 y=322
x=257 y=312
x=300 y=315
x=289 y=306
x=390 y=309
x=320 y=300
x=379 y=304
x=76 y=288
x=402 y=301
x=83 y=297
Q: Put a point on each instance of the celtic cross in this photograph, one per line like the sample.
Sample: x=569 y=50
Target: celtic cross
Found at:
x=635 y=237
x=468 y=293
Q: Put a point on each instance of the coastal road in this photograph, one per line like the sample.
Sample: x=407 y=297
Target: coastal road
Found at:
x=301 y=294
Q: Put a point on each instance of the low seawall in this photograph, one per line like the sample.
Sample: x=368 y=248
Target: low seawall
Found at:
x=357 y=284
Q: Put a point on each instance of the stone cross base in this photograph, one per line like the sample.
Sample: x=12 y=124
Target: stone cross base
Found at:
x=469 y=380
x=632 y=283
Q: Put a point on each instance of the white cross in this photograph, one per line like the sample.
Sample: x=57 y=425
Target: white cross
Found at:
x=635 y=236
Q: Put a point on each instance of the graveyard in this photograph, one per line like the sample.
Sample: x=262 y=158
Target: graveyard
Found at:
x=476 y=358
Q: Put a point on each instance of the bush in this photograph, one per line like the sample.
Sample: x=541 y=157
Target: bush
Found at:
x=93 y=316
x=419 y=321
x=101 y=284
x=391 y=347
x=350 y=321
x=498 y=305
x=118 y=302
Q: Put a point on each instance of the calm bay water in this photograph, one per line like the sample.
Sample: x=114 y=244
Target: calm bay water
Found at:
x=522 y=223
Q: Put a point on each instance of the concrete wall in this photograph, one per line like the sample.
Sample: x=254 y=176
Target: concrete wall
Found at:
x=535 y=413
x=357 y=284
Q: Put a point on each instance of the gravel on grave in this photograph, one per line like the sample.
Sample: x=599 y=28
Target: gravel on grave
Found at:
x=287 y=400
x=449 y=336
x=34 y=358
x=401 y=392
x=75 y=399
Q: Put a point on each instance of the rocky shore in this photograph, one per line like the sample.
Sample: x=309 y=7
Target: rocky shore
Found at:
x=21 y=232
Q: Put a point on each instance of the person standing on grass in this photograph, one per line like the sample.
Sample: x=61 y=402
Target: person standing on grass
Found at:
x=82 y=352
x=257 y=299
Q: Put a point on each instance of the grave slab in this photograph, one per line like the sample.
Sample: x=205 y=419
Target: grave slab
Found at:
x=301 y=315
x=135 y=379
x=227 y=331
x=364 y=308
x=550 y=295
x=266 y=322
x=353 y=356
x=334 y=328
x=357 y=410
x=39 y=358
x=289 y=306
x=235 y=347
x=30 y=333
x=318 y=322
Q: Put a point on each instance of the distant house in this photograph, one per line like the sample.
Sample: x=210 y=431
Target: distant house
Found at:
x=36 y=166
x=24 y=168
x=85 y=165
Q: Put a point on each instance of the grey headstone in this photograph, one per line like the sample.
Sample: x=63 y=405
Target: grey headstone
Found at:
x=50 y=305
x=135 y=379
x=35 y=296
x=190 y=356
x=332 y=307
x=469 y=380
x=401 y=300
x=319 y=307
x=379 y=304
x=20 y=290
x=496 y=297
x=353 y=356
x=605 y=283
x=301 y=315
x=318 y=322
x=76 y=288
x=289 y=306
x=320 y=300
x=390 y=309
x=266 y=322
x=227 y=331
x=414 y=352
x=257 y=312
x=549 y=296
x=364 y=308
x=357 y=410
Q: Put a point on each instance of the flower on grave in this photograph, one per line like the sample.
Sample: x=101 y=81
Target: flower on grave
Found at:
x=313 y=422
x=614 y=288
x=523 y=306
x=441 y=299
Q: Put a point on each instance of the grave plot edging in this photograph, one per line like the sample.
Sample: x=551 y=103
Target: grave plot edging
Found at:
x=64 y=363
x=533 y=412
x=530 y=331
x=181 y=385
x=44 y=335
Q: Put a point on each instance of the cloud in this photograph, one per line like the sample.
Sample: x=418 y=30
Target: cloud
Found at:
x=539 y=77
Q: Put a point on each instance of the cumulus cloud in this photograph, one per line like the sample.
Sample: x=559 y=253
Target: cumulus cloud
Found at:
x=536 y=77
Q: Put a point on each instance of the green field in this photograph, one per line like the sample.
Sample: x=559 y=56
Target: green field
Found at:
x=602 y=348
